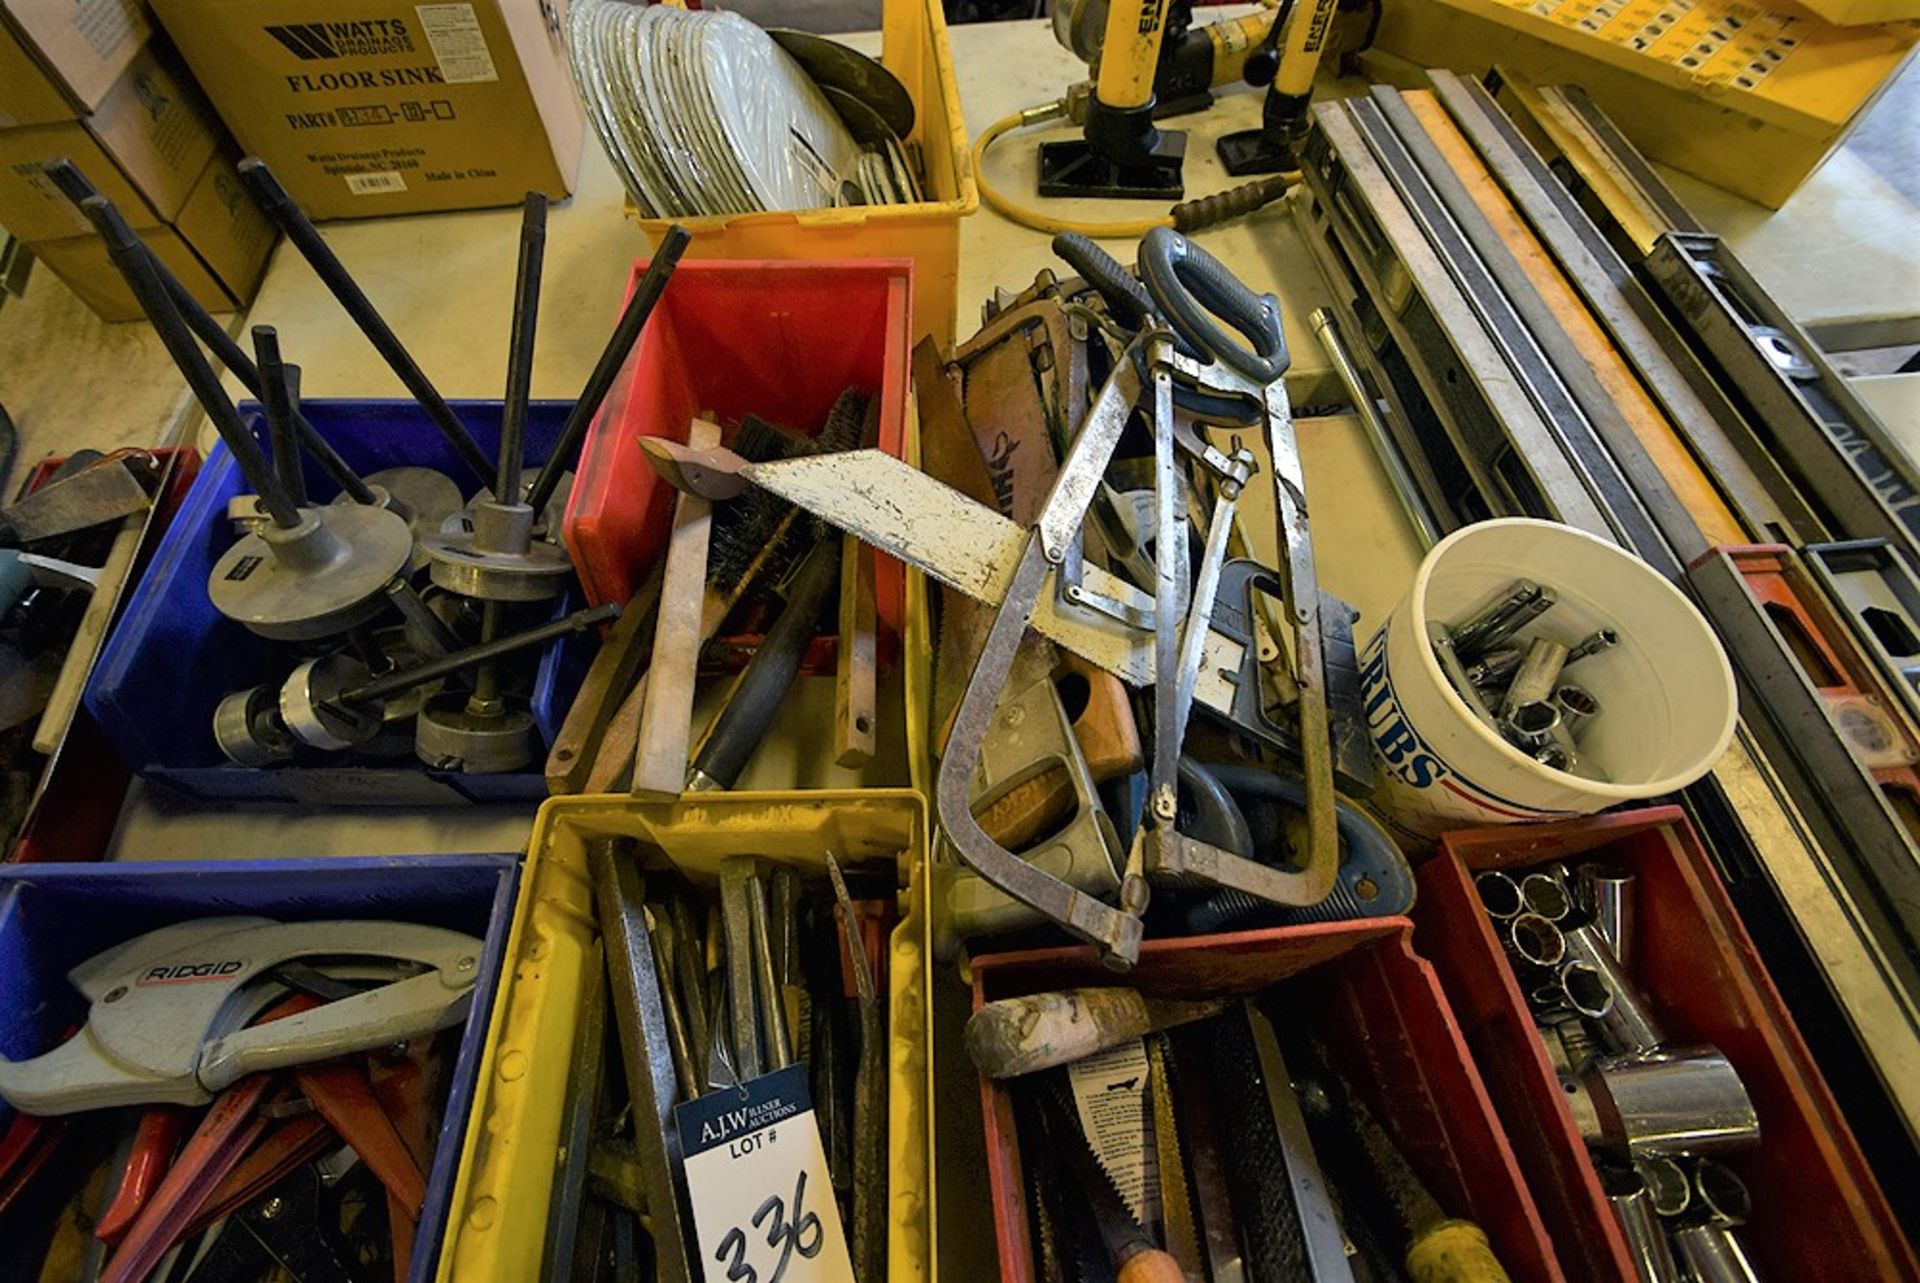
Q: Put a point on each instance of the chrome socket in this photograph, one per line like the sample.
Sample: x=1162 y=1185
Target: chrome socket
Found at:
x=1629 y=1027
x=1686 y=1101
x=1646 y=1238
x=1605 y=892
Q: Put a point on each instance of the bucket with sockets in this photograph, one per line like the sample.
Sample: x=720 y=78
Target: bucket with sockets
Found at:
x=241 y=1063
x=1535 y=672
x=1281 y=1101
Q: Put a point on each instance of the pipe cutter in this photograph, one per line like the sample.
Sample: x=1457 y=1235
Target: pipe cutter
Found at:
x=171 y=1009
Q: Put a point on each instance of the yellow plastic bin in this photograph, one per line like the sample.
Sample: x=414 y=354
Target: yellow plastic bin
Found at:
x=913 y=45
x=497 y=1226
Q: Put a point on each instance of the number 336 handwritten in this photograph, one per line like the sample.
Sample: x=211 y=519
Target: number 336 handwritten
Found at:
x=786 y=1237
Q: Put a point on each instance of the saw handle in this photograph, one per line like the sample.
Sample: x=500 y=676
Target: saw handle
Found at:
x=1192 y=288
x=1125 y=296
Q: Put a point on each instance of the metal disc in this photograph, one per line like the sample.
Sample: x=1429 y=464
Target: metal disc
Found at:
x=861 y=120
x=427 y=497
x=449 y=738
x=833 y=65
x=538 y=574
x=299 y=598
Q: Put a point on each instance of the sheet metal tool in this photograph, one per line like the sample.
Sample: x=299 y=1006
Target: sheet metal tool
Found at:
x=170 y=1009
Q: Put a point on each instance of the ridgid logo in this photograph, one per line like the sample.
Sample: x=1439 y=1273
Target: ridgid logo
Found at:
x=310 y=40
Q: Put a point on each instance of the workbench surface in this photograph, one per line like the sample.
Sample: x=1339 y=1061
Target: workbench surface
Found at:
x=1840 y=251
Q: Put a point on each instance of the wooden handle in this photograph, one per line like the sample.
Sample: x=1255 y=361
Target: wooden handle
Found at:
x=1453 y=1252
x=1024 y=1035
x=1029 y=810
x=1151 y=1266
x=1108 y=735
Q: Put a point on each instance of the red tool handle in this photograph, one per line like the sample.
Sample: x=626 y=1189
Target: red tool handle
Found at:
x=341 y=1094
x=154 y=1141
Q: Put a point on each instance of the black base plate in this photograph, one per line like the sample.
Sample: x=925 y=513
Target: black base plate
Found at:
x=1071 y=167
x=1250 y=152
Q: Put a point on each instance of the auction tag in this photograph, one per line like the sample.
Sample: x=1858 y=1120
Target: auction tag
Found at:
x=763 y=1205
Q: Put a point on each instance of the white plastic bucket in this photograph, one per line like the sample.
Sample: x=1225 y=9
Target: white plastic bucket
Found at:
x=1666 y=692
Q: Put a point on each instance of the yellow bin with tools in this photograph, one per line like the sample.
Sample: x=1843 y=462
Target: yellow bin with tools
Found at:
x=497 y=1227
x=913 y=46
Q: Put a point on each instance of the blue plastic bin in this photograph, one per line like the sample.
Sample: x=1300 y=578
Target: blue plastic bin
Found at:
x=171 y=657
x=55 y=916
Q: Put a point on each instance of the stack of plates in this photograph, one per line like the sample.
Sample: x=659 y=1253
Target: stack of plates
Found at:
x=702 y=113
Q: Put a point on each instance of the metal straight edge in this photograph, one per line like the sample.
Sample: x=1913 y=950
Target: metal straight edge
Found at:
x=1379 y=435
x=619 y=895
x=1744 y=471
x=1549 y=473
x=1658 y=205
x=1877 y=861
x=1589 y=425
x=1839 y=447
x=1854 y=964
x=1315 y=220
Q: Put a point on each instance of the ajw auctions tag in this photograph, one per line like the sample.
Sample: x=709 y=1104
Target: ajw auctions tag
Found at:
x=763 y=1204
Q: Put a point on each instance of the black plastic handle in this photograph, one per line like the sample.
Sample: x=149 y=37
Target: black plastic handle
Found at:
x=1126 y=296
x=1192 y=287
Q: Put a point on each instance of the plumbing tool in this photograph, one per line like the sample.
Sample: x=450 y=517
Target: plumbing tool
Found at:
x=166 y=1025
x=292 y=220
x=313 y=571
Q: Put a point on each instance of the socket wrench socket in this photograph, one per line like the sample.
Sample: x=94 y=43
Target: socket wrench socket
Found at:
x=1713 y=1255
x=1605 y=893
x=1536 y=942
x=1538 y=674
x=1646 y=1237
x=1630 y=1027
x=1720 y=1197
x=1584 y=989
x=1499 y=895
x=1686 y=1101
x=1546 y=895
x=1669 y=1186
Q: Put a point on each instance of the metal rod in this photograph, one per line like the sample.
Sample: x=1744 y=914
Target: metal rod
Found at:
x=633 y=319
x=526 y=315
x=299 y=229
x=447 y=665
x=131 y=257
x=74 y=185
x=1368 y=412
x=279 y=393
x=773 y=1014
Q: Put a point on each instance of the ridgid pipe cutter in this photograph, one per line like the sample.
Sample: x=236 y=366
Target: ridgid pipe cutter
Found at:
x=171 y=1010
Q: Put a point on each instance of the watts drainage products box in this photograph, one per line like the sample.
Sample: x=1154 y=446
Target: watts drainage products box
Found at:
x=367 y=107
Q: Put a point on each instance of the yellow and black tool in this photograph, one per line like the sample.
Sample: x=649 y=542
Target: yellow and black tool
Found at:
x=1121 y=153
x=1273 y=147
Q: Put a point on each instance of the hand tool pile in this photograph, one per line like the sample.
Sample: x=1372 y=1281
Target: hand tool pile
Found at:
x=380 y=665
x=713 y=990
x=1116 y=516
x=68 y=544
x=1656 y=1114
x=317 y=1052
x=1209 y=1140
x=1517 y=685
x=747 y=586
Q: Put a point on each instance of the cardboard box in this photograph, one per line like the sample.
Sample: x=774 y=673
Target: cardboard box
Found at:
x=218 y=247
x=82 y=262
x=58 y=58
x=144 y=147
x=1747 y=98
x=371 y=107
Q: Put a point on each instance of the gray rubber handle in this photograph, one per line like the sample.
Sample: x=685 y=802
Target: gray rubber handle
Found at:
x=1125 y=295
x=1192 y=288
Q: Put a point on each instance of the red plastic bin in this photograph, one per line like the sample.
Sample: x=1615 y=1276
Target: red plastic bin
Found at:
x=1385 y=1018
x=731 y=338
x=1818 y=1213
